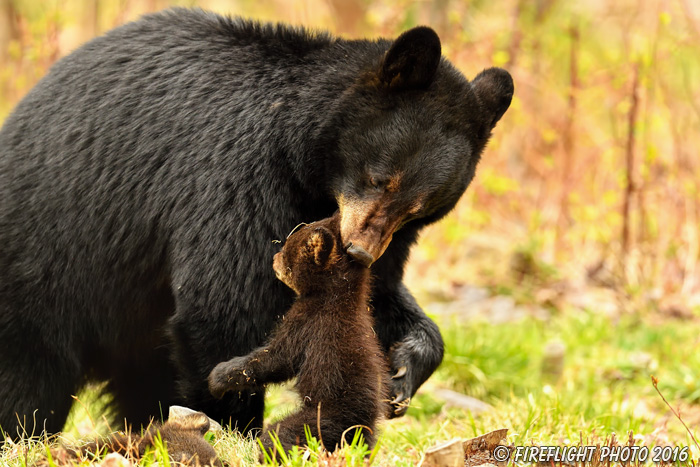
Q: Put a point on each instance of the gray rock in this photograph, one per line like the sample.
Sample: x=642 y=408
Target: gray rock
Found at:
x=462 y=401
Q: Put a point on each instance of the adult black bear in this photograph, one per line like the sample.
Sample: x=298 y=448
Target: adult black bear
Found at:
x=143 y=180
x=326 y=340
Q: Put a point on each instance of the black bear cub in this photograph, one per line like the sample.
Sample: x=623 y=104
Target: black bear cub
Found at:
x=183 y=436
x=326 y=339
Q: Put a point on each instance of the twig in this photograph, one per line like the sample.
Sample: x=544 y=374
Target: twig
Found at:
x=75 y=398
x=629 y=169
x=569 y=139
x=318 y=424
x=655 y=382
x=516 y=35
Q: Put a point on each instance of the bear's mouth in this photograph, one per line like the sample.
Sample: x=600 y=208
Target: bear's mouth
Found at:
x=366 y=228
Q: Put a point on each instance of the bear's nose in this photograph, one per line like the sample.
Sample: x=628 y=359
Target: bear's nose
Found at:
x=360 y=255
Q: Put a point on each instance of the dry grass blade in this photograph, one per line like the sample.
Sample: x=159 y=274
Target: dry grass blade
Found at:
x=655 y=382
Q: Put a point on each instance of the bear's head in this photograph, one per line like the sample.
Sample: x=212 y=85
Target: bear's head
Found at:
x=406 y=140
x=312 y=257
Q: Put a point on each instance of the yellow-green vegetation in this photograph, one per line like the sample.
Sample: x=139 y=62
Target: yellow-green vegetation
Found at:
x=579 y=236
x=604 y=388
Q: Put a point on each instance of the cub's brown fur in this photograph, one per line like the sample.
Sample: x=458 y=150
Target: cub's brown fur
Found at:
x=326 y=339
x=183 y=436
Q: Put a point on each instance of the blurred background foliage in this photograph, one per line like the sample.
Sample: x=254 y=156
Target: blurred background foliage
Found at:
x=586 y=200
x=591 y=177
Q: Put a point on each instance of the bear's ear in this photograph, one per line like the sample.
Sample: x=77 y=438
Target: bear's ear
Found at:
x=494 y=87
x=320 y=245
x=412 y=60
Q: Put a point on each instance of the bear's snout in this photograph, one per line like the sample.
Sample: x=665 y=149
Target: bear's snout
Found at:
x=367 y=227
x=360 y=255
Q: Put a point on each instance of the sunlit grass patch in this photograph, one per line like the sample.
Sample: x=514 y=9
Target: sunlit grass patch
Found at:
x=601 y=386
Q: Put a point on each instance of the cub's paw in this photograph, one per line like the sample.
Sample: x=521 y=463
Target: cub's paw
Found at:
x=233 y=375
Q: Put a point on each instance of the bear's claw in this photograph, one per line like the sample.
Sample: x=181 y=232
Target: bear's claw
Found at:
x=400 y=373
x=400 y=397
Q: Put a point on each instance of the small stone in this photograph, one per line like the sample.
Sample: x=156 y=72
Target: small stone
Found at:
x=462 y=401
x=553 y=360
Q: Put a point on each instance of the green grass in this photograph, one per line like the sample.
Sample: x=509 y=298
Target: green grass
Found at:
x=604 y=387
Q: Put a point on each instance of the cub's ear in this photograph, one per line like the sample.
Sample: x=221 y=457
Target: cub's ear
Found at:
x=320 y=244
x=196 y=421
x=412 y=60
x=494 y=87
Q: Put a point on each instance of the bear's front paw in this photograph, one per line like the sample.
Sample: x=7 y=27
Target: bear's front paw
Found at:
x=400 y=388
x=411 y=362
x=233 y=375
x=409 y=366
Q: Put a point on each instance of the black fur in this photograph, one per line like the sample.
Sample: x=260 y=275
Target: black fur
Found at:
x=326 y=340
x=143 y=180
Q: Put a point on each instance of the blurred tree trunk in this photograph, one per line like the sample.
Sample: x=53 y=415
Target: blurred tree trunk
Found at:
x=542 y=9
x=629 y=172
x=8 y=28
x=569 y=141
x=350 y=16
x=516 y=35
x=438 y=16
x=92 y=16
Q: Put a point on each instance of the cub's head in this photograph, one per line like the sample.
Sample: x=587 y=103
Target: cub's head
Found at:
x=311 y=257
x=185 y=439
x=407 y=138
